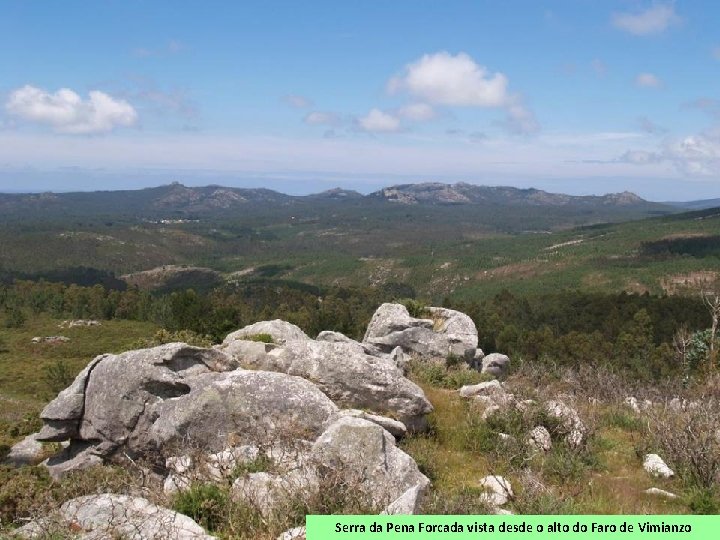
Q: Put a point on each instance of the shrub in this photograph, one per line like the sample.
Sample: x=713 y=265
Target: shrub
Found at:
x=416 y=308
x=261 y=338
x=163 y=336
x=442 y=376
x=207 y=504
x=687 y=439
x=57 y=376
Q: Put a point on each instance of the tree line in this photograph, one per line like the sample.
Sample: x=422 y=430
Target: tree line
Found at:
x=637 y=333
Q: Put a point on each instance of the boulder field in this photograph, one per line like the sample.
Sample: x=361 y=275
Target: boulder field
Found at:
x=312 y=407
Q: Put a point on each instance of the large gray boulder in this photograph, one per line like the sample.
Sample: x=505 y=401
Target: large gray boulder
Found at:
x=349 y=376
x=366 y=455
x=280 y=331
x=99 y=517
x=157 y=402
x=443 y=333
x=495 y=364
x=258 y=408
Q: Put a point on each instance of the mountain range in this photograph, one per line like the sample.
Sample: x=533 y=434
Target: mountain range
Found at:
x=175 y=198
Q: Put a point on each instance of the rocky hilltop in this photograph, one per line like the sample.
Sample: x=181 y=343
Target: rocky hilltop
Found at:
x=463 y=193
x=271 y=416
x=316 y=408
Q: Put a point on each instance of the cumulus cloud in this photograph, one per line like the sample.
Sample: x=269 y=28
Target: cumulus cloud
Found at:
x=451 y=80
x=653 y=20
x=67 y=112
x=321 y=118
x=696 y=155
x=693 y=155
x=298 y=102
x=457 y=80
x=377 y=121
x=647 y=80
x=417 y=112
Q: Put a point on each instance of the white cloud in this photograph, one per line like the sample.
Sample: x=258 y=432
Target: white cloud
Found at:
x=716 y=52
x=696 y=155
x=321 y=118
x=445 y=79
x=67 y=112
x=417 y=112
x=298 y=102
x=653 y=20
x=647 y=80
x=457 y=80
x=377 y=121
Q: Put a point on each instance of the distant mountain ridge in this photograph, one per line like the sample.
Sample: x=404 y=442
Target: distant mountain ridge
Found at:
x=695 y=205
x=176 y=197
x=464 y=193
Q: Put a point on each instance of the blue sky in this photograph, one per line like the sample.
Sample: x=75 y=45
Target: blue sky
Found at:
x=576 y=96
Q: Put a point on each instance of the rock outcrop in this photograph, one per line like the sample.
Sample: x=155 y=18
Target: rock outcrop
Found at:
x=99 y=517
x=495 y=364
x=366 y=455
x=569 y=422
x=445 y=332
x=345 y=373
x=655 y=466
x=153 y=402
x=280 y=331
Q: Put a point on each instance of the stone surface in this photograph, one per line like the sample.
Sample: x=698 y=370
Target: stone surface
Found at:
x=280 y=331
x=660 y=493
x=241 y=408
x=498 y=490
x=539 y=438
x=216 y=467
x=488 y=388
x=63 y=414
x=409 y=503
x=396 y=428
x=443 y=333
x=100 y=517
x=298 y=533
x=272 y=494
x=570 y=422
x=495 y=364
x=29 y=451
x=158 y=402
x=351 y=378
x=366 y=455
x=655 y=466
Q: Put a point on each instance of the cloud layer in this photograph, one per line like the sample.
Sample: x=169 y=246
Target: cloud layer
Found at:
x=66 y=112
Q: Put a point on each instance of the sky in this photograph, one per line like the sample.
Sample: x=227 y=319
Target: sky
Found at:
x=574 y=96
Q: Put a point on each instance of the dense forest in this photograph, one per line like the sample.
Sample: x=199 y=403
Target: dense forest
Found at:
x=630 y=332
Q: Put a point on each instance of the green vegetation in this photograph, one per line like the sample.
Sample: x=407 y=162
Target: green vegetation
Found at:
x=261 y=338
